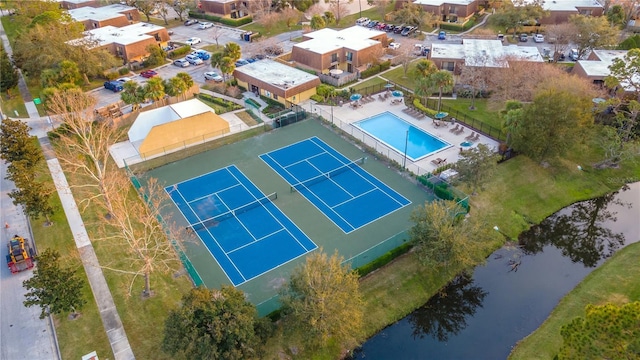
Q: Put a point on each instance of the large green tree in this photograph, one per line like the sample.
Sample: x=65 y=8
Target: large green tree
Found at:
x=476 y=166
x=9 y=77
x=414 y=15
x=605 y=332
x=553 y=122
x=154 y=89
x=338 y=8
x=318 y=22
x=213 y=324
x=322 y=301
x=444 y=241
x=156 y=57
x=29 y=192
x=17 y=145
x=233 y=51
x=513 y=15
x=55 y=289
x=132 y=94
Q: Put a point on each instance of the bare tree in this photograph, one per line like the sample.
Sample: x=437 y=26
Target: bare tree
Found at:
x=560 y=36
x=406 y=54
x=215 y=33
x=268 y=21
x=163 y=7
x=83 y=146
x=181 y=8
x=518 y=80
x=475 y=76
x=339 y=8
x=259 y=8
x=134 y=225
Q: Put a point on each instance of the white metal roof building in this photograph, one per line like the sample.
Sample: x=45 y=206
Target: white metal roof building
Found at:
x=486 y=53
x=327 y=40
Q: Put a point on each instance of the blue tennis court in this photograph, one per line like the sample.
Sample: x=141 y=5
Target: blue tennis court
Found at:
x=346 y=193
x=241 y=227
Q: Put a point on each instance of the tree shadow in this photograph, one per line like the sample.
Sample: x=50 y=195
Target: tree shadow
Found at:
x=580 y=231
x=445 y=313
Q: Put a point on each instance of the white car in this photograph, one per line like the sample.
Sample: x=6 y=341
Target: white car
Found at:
x=213 y=76
x=124 y=79
x=205 y=25
x=539 y=38
x=181 y=63
x=394 y=46
x=193 y=41
x=194 y=60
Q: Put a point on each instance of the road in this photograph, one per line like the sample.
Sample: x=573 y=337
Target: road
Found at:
x=22 y=333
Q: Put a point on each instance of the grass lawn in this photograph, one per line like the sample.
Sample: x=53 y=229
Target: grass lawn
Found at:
x=13 y=104
x=160 y=22
x=86 y=333
x=480 y=113
x=373 y=81
x=12 y=25
x=397 y=76
x=616 y=281
x=372 y=13
x=276 y=29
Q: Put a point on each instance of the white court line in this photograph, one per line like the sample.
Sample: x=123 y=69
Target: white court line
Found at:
x=314 y=194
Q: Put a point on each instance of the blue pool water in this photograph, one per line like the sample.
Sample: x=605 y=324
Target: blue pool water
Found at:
x=392 y=131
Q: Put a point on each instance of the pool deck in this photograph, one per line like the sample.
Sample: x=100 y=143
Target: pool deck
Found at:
x=345 y=115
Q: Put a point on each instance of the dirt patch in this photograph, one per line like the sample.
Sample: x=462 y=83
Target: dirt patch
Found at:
x=246 y=118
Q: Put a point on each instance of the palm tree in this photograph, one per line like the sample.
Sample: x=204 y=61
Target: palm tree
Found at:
x=154 y=90
x=132 y=95
x=227 y=65
x=443 y=81
x=424 y=68
x=186 y=79
x=233 y=51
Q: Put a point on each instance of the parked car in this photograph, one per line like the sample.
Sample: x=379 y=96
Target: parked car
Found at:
x=193 y=41
x=205 y=25
x=408 y=30
x=181 y=63
x=202 y=54
x=559 y=56
x=114 y=86
x=501 y=36
x=398 y=29
x=190 y=22
x=124 y=79
x=442 y=35
x=394 y=46
x=210 y=75
x=389 y=27
x=241 y=62
x=148 y=74
x=574 y=55
x=363 y=21
x=524 y=37
x=539 y=38
x=372 y=24
x=194 y=59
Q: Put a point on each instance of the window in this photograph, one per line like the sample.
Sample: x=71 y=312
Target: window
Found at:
x=275 y=96
x=233 y=6
x=452 y=9
x=349 y=56
x=334 y=57
x=448 y=65
x=585 y=12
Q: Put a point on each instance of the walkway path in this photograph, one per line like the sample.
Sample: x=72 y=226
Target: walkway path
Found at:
x=108 y=312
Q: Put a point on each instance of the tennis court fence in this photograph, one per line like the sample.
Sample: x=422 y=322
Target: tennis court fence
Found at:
x=354 y=260
x=191 y=270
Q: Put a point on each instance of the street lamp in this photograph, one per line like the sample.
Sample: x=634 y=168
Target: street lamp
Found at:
x=360 y=3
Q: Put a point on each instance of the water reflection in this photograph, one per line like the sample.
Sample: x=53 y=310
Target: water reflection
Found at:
x=446 y=313
x=582 y=231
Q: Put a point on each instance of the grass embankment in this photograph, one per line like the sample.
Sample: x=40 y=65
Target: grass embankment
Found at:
x=481 y=112
x=397 y=76
x=616 y=281
x=13 y=103
x=373 y=81
x=86 y=333
x=276 y=28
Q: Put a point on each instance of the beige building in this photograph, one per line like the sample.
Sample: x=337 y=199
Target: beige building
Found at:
x=175 y=126
x=483 y=53
x=128 y=43
x=277 y=81
x=111 y=15
x=351 y=49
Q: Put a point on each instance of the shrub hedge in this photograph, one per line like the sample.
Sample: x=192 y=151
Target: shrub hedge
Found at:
x=424 y=109
x=184 y=50
x=123 y=70
x=375 y=69
x=384 y=259
x=221 y=20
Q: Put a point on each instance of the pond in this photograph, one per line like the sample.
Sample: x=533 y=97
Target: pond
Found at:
x=484 y=315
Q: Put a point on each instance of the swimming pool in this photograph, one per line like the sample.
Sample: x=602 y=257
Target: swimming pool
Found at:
x=392 y=131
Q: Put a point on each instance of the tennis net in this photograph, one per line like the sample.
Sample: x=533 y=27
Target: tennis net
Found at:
x=328 y=175
x=215 y=220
